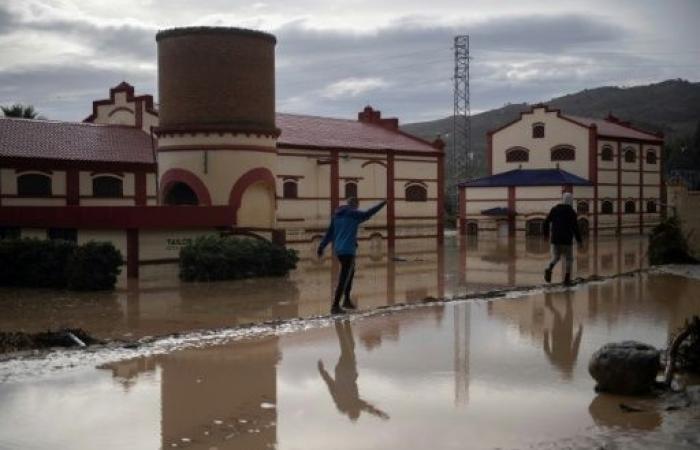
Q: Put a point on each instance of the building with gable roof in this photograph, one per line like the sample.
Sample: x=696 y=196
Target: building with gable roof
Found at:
x=613 y=170
x=213 y=157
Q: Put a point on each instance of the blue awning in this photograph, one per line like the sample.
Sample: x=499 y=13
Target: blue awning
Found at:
x=529 y=177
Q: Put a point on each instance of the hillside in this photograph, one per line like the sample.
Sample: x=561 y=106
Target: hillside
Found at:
x=672 y=106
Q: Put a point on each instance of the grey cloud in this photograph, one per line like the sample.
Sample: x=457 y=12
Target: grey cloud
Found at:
x=66 y=92
x=411 y=56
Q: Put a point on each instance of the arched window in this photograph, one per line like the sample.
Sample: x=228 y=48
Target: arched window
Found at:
x=517 y=154
x=630 y=207
x=630 y=155
x=538 y=131
x=350 y=189
x=107 y=187
x=651 y=157
x=606 y=207
x=290 y=189
x=607 y=153
x=416 y=193
x=181 y=194
x=651 y=206
x=563 y=153
x=582 y=207
x=34 y=185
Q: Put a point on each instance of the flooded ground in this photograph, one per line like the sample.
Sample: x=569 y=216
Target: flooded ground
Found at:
x=159 y=304
x=504 y=373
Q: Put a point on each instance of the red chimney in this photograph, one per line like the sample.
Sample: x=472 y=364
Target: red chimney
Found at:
x=370 y=115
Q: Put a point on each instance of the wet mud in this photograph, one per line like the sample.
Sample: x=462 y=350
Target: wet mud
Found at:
x=18 y=341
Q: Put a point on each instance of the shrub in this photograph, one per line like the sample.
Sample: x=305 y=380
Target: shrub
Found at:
x=58 y=264
x=93 y=266
x=668 y=245
x=211 y=258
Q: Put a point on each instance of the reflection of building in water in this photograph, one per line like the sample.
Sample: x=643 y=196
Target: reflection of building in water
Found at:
x=205 y=393
x=343 y=388
x=520 y=262
x=605 y=411
x=462 y=336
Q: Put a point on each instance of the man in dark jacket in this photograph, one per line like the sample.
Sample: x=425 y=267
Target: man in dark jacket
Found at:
x=343 y=233
x=564 y=225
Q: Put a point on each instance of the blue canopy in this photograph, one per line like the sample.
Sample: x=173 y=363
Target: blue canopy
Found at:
x=528 y=177
x=500 y=211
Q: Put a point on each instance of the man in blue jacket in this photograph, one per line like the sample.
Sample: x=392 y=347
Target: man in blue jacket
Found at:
x=343 y=233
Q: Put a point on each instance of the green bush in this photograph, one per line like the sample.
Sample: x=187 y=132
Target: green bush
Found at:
x=668 y=245
x=58 y=264
x=212 y=258
x=94 y=266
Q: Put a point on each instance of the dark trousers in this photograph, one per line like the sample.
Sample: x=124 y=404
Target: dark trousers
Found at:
x=347 y=272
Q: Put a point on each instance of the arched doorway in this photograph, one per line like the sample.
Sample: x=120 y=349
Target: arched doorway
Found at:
x=179 y=194
x=472 y=228
x=257 y=207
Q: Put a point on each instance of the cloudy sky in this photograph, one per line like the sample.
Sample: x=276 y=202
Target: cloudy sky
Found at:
x=334 y=57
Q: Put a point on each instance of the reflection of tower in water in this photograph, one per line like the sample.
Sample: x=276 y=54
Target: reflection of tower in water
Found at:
x=462 y=335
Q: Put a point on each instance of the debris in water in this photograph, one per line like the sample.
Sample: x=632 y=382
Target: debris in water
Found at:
x=67 y=337
x=266 y=405
x=218 y=421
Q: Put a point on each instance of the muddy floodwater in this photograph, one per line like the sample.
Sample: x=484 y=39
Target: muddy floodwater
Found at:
x=503 y=373
x=159 y=304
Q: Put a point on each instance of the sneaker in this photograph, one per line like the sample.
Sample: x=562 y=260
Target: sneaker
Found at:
x=548 y=275
x=348 y=304
x=336 y=309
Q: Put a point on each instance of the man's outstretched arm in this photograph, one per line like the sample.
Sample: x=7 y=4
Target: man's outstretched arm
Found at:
x=366 y=215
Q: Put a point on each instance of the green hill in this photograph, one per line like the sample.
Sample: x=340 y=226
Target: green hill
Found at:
x=672 y=106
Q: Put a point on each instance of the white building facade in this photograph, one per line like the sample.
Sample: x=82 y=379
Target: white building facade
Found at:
x=613 y=170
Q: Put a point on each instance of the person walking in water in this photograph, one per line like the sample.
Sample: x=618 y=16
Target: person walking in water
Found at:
x=563 y=221
x=343 y=233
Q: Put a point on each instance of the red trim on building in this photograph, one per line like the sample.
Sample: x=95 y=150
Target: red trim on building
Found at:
x=130 y=97
x=132 y=253
x=173 y=176
x=593 y=172
x=48 y=165
x=619 y=187
x=373 y=161
x=511 y=212
x=441 y=202
x=462 y=208
x=641 y=189
x=335 y=182
x=390 y=211
x=121 y=108
x=252 y=130
x=72 y=187
x=260 y=174
x=489 y=152
x=117 y=217
x=415 y=153
x=230 y=147
x=140 y=188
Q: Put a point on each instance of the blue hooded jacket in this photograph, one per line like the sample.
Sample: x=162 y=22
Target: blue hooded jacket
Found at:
x=343 y=228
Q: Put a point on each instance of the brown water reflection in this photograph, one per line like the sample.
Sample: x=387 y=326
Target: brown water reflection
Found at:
x=160 y=304
x=508 y=373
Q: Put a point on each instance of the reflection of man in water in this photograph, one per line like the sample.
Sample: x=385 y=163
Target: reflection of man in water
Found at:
x=560 y=346
x=344 y=388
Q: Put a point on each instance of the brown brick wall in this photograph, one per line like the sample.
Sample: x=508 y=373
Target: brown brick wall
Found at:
x=216 y=76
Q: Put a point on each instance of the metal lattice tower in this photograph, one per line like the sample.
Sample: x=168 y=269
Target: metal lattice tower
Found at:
x=462 y=155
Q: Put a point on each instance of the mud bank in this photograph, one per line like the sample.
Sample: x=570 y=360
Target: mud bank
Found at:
x=43 y=361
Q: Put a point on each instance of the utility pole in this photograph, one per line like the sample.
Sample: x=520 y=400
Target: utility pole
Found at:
x=462 y=155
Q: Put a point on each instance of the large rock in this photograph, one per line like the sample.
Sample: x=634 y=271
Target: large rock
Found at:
x=627 y=367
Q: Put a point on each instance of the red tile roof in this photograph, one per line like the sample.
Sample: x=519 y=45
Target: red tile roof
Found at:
x=609 y=128
x=312 y=131
x=70 y=141
x=46 y=139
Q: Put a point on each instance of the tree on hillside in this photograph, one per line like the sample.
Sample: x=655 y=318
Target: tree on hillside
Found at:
x=20 y=111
